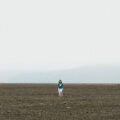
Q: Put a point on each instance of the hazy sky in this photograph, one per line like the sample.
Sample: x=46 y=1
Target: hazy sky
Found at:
x=58 y=34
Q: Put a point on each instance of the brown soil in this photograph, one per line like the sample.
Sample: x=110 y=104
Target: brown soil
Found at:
x=41 y=102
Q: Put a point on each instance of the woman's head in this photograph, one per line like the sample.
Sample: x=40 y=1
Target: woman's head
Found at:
x=60 y=81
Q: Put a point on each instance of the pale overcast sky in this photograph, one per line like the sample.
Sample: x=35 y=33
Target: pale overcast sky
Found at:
x=58 y=34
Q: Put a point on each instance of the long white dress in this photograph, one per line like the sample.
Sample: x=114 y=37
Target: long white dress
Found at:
x=60 y=91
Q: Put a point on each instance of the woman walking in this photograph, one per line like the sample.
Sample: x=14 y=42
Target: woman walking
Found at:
x=60 y=88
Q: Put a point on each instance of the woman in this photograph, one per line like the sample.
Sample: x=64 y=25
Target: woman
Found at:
x=60 y=88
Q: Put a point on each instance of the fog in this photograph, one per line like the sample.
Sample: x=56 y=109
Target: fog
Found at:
x=84 y=74
x=43 y=41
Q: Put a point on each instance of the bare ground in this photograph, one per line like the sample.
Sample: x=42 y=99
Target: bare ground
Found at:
x=41 y=102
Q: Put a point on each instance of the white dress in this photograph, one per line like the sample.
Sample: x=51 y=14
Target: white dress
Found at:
x=60 y=91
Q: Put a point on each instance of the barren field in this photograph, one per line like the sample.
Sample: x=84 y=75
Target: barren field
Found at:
x=41 y=102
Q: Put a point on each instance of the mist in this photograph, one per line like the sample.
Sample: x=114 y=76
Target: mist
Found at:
x=43 y=41
x=84 y=74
